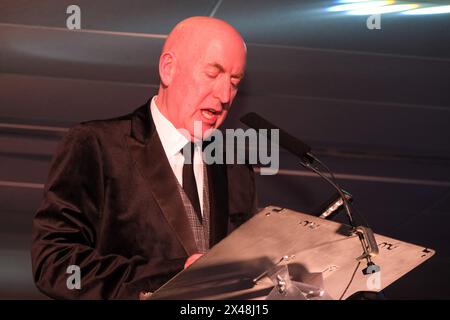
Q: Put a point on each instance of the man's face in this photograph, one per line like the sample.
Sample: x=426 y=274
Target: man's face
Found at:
x=205 y=83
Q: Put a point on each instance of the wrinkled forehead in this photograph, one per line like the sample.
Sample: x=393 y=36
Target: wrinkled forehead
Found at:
x=200 y=42
x=227 y=54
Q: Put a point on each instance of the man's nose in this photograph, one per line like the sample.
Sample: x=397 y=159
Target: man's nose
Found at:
x=223 y=91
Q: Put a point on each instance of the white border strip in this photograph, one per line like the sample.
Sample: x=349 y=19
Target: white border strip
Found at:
x=91 y=31
x=32 y=127
x=295 y=173
x=216 y=7
x=355 y=177
x=15 y=184
x=261 y=45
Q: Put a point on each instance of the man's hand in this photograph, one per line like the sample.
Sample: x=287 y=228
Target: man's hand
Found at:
x=145 y=295
x=192 y=259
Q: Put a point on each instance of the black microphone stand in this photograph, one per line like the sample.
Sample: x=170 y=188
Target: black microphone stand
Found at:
x=303 y=151
x=365 y=234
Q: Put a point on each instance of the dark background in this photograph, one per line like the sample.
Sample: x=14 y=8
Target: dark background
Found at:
x=374 y=104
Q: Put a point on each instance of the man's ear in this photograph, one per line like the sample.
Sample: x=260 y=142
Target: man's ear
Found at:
x=167 y=65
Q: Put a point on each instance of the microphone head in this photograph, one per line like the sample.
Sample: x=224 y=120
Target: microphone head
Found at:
x=255 y=121
x=287 y=141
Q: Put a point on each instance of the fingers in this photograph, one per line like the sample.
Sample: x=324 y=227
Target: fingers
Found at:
x=144 y=295
x=192 y=259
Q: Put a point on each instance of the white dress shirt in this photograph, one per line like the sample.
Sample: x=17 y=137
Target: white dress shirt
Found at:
x=173 y=141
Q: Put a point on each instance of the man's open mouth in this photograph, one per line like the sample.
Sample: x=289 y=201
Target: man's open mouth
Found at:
x=210 y=114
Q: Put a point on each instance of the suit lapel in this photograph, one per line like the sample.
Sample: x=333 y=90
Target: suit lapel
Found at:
x=151 y=161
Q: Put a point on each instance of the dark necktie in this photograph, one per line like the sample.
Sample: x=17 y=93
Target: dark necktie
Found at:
x=189 y=185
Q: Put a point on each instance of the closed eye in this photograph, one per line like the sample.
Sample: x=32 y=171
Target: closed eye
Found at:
x=235 y=82
x=212 y=75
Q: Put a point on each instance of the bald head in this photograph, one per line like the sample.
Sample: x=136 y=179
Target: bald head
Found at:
x=195 y=32
x=201 y=65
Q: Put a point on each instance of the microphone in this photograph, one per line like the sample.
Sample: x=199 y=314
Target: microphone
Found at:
x=300 y=149
x=287 y=141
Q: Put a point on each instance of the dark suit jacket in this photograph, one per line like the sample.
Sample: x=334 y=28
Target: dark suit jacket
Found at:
x=111 y=206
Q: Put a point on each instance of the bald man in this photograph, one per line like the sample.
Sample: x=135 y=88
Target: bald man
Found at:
x=125 y=207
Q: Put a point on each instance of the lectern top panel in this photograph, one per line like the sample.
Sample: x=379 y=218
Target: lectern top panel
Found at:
x=308 y=245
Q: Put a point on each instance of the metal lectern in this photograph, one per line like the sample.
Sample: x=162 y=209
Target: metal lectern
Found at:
x=284 y=254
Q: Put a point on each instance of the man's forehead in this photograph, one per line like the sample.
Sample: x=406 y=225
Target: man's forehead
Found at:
x=225 y=57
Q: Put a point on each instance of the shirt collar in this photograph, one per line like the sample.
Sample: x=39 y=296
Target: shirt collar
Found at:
x=171 y=139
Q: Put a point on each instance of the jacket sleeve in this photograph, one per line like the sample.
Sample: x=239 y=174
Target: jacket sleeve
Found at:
x=67 y=224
